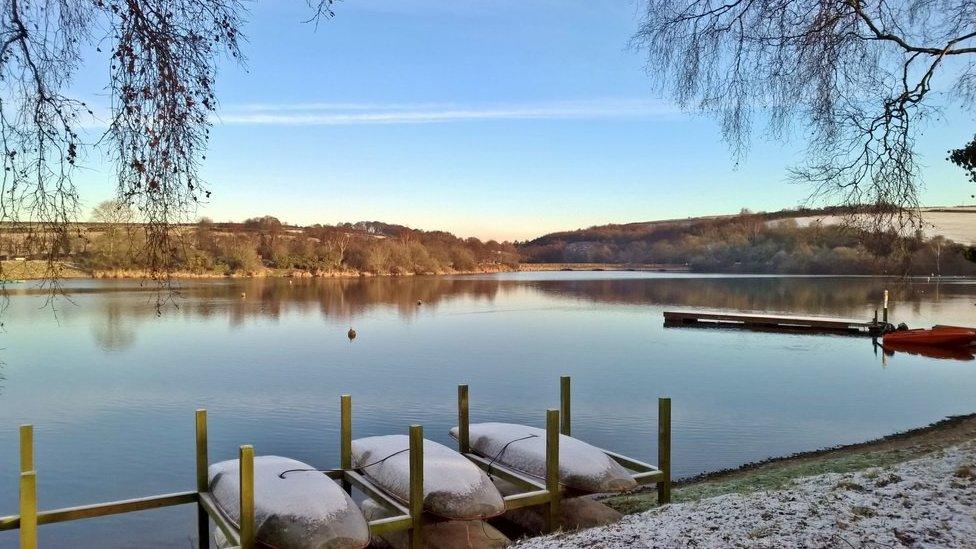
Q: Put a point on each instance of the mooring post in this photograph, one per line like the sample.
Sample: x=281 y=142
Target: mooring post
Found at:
x=464 y=437
x=28 y=510
x=203 y=520
x=28 y=489
x=246 y=465
x=664 y=449
x=565 y=426
x=885 y=309
x=345 y=439
x=552 y=467
x=416 y=485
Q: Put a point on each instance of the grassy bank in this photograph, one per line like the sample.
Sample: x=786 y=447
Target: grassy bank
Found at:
x=779 y=473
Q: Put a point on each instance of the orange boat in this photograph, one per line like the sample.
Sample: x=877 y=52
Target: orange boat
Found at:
x=944 y=327
x=940 y=336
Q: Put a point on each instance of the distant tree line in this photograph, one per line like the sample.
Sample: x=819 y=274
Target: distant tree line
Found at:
x=113 y=242
x=756 y=243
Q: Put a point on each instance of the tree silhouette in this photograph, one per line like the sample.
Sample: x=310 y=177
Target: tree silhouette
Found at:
x=163 y=65
x=857 y=77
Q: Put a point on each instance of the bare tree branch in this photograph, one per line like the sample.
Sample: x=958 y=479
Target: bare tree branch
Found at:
x=857 y=76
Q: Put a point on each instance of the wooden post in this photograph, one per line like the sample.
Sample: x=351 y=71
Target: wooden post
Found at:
x=246 y=464
x=565 y=426
x=203 y=520
x=26 y=448
x=664 y=449
x=552 y=467
x=345 y=439
x=885 y=309
x=28 y=510
x=416 y=502
x=464 y=437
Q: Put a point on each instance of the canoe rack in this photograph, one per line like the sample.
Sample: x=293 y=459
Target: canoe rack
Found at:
x=407 y=517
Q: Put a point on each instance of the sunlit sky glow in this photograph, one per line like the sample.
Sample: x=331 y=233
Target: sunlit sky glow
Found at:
x=504 y=119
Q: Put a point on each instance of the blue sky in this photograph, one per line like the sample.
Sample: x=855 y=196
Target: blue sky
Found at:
x=499 y=119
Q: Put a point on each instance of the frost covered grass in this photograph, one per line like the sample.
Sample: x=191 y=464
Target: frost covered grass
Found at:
x=779 y=473
x=928 y=501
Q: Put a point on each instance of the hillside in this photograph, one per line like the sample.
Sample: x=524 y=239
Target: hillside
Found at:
x=790 y=241
x=258 y=246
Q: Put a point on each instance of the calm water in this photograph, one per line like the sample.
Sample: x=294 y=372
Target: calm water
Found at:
x=111 y=387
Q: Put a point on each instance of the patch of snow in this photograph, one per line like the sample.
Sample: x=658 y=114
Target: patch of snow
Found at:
x=929 y=502
x=581 y=465
x=304 y=505
x=453 y=486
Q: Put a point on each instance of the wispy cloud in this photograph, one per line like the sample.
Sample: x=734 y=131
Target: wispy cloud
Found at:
x=331 y=114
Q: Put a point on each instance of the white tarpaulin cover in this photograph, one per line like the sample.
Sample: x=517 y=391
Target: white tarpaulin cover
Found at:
x=305 y=509
x=581 y=466
x=454 y=488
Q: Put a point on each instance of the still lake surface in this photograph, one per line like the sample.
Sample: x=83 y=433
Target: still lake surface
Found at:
x=111 y=387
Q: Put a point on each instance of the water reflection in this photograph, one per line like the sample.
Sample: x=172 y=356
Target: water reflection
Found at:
x=111 y=329
x=941 y=353
x=116 y=308
x=115 y=320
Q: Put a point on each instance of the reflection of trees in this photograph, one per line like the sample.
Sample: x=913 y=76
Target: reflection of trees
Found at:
x=339 y=298
x=828 y=296
x=345 y=299
x=112 y=329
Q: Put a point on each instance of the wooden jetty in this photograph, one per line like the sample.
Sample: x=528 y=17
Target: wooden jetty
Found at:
x=754 y=321
x=408 y=516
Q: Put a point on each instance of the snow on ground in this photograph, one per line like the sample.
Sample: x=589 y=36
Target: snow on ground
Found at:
x=929 y=502
x=956 y=223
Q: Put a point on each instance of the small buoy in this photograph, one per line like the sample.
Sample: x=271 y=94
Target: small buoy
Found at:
x=420 y=302
x=243 y=295
x=351 y=334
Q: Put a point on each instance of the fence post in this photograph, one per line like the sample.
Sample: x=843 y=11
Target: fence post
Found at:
x=246 y=465
x=664 y=449
x=28 y=510
x=565 y=427
x=416 y=485
x=28 y=489
x=203 y=520
x=552 y=467
x=345 y=439
x=464 y=437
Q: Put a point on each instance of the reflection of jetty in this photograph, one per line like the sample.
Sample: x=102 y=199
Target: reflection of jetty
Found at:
x=773 y=322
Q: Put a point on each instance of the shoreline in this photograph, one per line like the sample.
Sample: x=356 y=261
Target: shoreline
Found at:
x=778 y=473
x=914 y=488
x=37 y=270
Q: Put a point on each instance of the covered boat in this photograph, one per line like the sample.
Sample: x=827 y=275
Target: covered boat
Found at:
x=582 y=466
x=454 y=488
x=294 y=505
x=940 y=336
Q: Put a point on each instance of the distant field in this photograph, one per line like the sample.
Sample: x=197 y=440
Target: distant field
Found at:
x=26 y=270
x=955 y=223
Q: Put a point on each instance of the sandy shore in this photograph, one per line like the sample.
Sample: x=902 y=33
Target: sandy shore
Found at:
x=913 y=489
